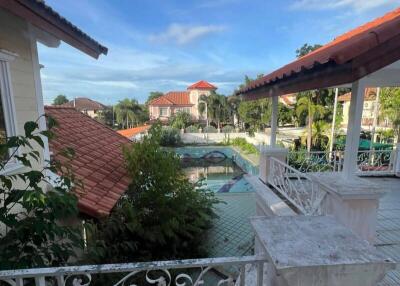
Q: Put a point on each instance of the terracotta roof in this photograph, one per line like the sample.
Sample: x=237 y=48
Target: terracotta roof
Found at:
x=173 y=98
x=370 y=94
x=45 y=18
x=288 y=99
x=349 y=57
x=130 y=132
x=202 y=84
x=98 y=161
x=83 y=103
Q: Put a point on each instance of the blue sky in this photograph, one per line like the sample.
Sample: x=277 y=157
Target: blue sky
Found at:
x=163 y=45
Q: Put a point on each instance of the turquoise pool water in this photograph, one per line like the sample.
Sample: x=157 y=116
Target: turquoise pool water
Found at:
x=222 y=169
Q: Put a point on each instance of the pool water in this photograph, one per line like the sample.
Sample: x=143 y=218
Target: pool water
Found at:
x=220 y=175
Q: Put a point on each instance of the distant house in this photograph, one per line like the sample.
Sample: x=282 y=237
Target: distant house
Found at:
x=288 y=100
x=135 y=133
x=368 y=114
x=98 y=162
x=86 y=105
x=172 y=102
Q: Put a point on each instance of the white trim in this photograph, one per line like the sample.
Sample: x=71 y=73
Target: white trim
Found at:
x=38 y=89
x=7 y=56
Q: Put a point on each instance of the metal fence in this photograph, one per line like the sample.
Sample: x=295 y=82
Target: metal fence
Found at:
x=191 y=272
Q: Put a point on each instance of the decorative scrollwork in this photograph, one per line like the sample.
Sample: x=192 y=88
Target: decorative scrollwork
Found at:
x=79 y=280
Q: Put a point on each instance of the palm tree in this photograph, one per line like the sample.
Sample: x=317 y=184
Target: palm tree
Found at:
x=128 y=112
x=233 y=103
x=306 y=105
x=215 y=106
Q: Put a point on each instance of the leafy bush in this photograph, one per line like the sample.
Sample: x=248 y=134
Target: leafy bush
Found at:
x=180 y=120
x=162 y=216
x=210 y=129
x=31 y=212
x=244 y=145
x=170 y=137
x=228 y=129
x=192 y=129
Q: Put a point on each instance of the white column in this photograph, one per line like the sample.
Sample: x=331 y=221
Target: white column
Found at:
x=333 y=122
x=354 y=128
x=274 y=121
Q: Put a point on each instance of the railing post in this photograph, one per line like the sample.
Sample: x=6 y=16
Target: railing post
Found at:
x=265 y=161
x=243 y=275
x=396 y=164
x=40 y=281
x=260 y=273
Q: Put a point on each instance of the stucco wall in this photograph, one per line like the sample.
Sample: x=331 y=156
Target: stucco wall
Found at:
x=15 y=37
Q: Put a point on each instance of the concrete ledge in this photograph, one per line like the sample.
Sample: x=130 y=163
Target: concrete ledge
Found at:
x=266 y=199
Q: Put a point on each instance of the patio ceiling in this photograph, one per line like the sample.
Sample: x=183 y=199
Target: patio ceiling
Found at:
x=371 y=50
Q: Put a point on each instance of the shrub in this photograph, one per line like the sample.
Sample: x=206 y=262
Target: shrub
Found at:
x=210 y=129
x=162 y=216
x=32 y=214
x=244 y=145
x=228 y=129
x=192 y=129
x=180 y=120
x=170 y=137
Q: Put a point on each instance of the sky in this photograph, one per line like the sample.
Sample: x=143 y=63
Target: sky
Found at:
x=166 y=45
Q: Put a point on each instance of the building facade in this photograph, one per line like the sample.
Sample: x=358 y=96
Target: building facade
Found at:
x=172 y=102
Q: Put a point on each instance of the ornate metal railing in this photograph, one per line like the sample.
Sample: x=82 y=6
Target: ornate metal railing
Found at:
x=370 y=162
x=376 y=162
x=298 y=188
x=316 y=161
x=191 y=272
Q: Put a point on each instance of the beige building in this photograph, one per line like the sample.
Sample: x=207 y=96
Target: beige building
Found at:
x=172 y=102
x=24 y=23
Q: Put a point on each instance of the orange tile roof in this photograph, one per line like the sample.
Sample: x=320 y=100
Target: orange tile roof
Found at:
x=173 y=98
x=98 y=161
x=130 y=132
x=202 y=84
x=83 y=103
x=370 y=94
x=339 y=51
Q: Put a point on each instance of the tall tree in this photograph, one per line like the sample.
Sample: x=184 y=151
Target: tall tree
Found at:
x=390 y=107
x=216 y=107
x=129 y=112
x=306 y=105
x=60 y=99
x=306 y=49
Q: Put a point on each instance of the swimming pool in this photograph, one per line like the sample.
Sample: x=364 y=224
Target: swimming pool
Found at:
x=222 y=169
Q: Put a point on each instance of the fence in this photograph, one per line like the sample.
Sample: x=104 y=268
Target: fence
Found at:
x=192 y=272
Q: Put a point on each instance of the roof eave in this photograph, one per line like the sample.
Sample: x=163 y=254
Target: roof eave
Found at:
x=43 y=17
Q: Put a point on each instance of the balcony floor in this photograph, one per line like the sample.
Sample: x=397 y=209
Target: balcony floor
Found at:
x=388 y=232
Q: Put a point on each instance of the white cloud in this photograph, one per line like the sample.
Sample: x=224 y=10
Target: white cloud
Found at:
x=183 y=34
x=357 y=5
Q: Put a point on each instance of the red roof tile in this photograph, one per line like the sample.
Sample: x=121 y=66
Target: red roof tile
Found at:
x=202 y=84
x=173 y=98
x=128 y=133
x=83 y=103
x=340 y=51
x=369 y=94
x=96 y=147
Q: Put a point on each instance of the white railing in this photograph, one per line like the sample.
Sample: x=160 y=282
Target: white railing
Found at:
x=298 y=188
x=370 y=162
x=191 y=272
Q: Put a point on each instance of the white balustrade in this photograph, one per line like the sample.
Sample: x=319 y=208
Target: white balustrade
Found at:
x=190 y=272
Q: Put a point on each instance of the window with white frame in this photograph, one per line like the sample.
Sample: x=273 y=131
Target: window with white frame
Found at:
x=7 y=110
x=163 y=111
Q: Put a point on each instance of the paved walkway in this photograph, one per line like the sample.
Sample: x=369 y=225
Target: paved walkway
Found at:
x=388 y=231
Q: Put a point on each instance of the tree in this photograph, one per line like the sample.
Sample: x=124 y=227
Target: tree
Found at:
x=306 y=105
x=32 y=213
x=60 y=99
x=153 y=95
x=129 y=113
x=234 y=103
x=390 y=106
x=216 y=107
x=162 y=216
x=306 y=49
x=285 y=114
x=180 y=120
x=256 y=113
x=106 y=116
